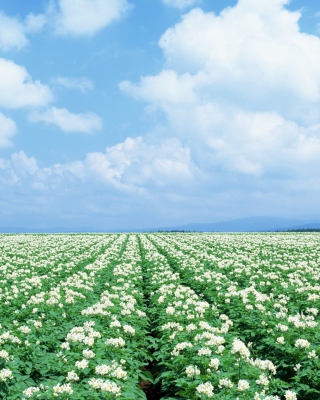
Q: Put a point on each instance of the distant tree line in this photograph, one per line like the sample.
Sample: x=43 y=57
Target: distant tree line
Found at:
x=302 y=230
x=175 y=231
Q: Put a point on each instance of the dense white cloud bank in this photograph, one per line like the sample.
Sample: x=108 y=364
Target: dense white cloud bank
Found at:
x=102 y=190
x=129 y=166
x=87 y=17
x=243 y=88
x=253 y=54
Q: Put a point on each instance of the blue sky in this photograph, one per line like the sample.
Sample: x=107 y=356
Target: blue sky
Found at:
x=123 y=114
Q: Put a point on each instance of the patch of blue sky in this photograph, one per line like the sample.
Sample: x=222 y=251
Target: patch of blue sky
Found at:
x=171 y=110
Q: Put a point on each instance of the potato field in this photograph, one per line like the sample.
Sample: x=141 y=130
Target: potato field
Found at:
x=160 y=316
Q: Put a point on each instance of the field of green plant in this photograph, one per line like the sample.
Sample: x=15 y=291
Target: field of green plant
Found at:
x=160 y=316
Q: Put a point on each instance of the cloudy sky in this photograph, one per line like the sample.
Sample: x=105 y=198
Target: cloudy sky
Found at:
x=141 y=113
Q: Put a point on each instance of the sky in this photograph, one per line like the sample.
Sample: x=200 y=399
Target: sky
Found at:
x=127 y=114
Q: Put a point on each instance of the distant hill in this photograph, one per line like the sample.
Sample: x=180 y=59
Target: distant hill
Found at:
x=49 y=230
x=250 y=224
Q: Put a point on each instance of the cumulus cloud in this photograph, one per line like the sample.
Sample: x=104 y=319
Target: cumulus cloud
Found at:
x=253 y=53
x=167 y=87
x=12 y=33
x=242 y=89
x=87 y=17
x=7 y=129
x=23 y=165
x=17 y=170
x=240 y=96
x=35 y=22
x=83 y=84
x=137 y=163
x=17 y=89
x=181 y=4
x=110 y=189
x=142 y=162
x=67 y=121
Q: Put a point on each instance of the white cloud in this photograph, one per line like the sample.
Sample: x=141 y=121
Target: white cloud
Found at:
x=67 y=121
x=23 y=165
x=12 y=34
x=253 y=54
x=18 y=170
x=8 y=128
x=133 y=165
x=181 y=3
x=242 y=89
x=18 y=90
x=83 y=84
x=35 y=22
x=240 y=96
x=87 y=17
x=167 y=87
x=142 y=162
x=140 y=165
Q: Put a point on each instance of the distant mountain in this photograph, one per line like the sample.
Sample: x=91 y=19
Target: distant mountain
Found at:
x=50 y=230
x=251 y=224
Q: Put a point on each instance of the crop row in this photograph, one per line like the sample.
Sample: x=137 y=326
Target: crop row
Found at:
x=198 y=353
x=268 y=286
x=171 y=316
x=84 y=337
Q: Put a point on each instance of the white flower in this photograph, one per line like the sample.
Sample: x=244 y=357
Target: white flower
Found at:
x=72 y=376
x=282 y=328
x=115 y=324
x=289 y=395
x=65 y=345
x=119 y=373
x=179 y=347
x=88 y=354
x=263 y=380
x=4 y=354
x=30 y=391
x=243 y=385
x=192 y=370
x=304 y=344
x=312 y=354
x=82 y=364
x=239 y=347
x=66 y=388
x=24 y=329
x=5 y=374
x=205 y=389
x=297 y=367
x=103 y=369
x=115 y=342
x=204 y=351
x=129 y=329
x=191 y=327
x=225 y=383
x=214 y=363
x=170 y=310
x=280 y=340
